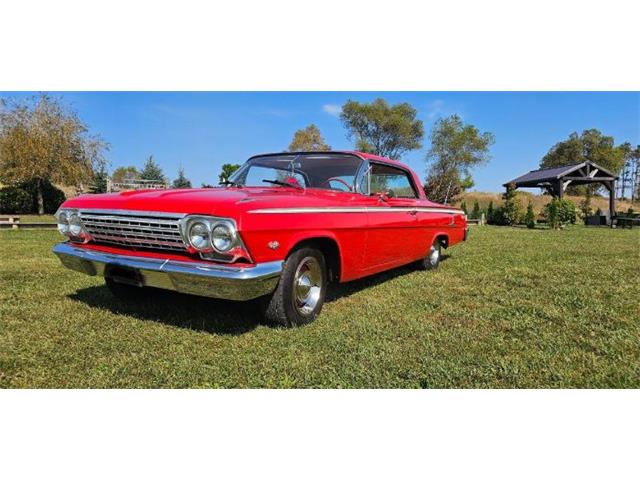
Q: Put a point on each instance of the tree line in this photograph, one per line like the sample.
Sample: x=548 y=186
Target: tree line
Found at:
x=44 y=142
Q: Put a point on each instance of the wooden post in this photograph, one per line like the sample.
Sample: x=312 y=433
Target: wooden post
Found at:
x=612 y=201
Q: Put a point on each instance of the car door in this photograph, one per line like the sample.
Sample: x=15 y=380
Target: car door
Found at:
x=393 y=231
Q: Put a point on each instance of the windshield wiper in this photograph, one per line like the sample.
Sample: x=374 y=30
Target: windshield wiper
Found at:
x=284 y=184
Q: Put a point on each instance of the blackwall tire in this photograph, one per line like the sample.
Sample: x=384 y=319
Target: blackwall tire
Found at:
x=121 y=291
x=300 y=294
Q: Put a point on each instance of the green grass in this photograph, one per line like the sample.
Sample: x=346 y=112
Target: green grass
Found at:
x=509 y=308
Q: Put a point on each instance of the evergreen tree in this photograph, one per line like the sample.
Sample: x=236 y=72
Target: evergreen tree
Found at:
x=152 y=171
x=512 y=210
x=463 y=207
x=490 y=212
x=585 y=205
x=475 y=213
x=530 y=216
x=552 y=212
x=100 y=178
x=182 y=181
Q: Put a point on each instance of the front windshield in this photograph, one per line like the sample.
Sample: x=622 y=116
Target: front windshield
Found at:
x=331 y=172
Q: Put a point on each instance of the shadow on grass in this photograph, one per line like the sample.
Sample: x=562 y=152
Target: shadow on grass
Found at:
x=171 y=308
x=340 y=290
x=211 y=315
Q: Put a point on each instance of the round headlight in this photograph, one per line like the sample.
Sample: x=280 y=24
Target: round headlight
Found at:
x=75 y=225
x=199 y=236
x=63 y=223
x=222 y=236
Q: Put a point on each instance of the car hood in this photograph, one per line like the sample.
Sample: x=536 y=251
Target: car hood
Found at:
x=223 y=201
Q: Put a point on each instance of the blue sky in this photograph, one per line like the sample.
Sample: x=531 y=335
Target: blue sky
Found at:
x=203 y=130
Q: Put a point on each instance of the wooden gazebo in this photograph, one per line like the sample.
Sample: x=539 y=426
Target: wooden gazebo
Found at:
x=556 y=180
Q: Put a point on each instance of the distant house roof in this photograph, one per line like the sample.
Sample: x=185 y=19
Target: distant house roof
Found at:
x=588 y=171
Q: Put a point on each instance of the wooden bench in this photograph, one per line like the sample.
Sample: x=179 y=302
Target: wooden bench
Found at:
x=623 y=222
x=476 y=221
x=11 y=221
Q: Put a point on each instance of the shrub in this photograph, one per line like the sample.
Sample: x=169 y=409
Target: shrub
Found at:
x=530 y=216
x=567 y=212
x=15 y=200
x=559 y=212
x=511 y=212
x=463 y=207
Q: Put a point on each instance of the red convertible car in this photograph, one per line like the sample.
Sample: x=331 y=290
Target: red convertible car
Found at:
x=279 y=230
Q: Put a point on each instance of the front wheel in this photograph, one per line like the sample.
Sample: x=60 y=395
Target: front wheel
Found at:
x=123 y=291
x=300 y=293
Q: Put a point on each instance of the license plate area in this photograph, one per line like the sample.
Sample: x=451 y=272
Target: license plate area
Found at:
x=124 y=275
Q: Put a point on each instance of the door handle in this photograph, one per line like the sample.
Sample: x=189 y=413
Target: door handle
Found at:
x=413 y=212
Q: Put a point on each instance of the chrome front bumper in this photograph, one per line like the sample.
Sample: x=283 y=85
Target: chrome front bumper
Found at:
x=196 y=278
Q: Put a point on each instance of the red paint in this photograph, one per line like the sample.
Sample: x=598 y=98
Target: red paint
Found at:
x=368 y=241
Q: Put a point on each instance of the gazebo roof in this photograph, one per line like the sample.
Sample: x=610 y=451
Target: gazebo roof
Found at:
x=585 y=172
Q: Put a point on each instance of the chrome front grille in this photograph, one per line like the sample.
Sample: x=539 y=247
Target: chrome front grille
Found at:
x=135 y=229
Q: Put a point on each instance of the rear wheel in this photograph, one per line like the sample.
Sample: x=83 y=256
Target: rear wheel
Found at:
x=300 y=293
x=432 y=260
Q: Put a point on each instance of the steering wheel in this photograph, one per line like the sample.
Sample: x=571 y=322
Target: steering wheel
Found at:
x=337 y=179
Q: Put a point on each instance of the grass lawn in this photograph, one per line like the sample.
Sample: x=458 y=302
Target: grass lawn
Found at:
x=509 y=308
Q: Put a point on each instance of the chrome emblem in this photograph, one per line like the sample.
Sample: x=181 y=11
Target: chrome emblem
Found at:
x=273 y=244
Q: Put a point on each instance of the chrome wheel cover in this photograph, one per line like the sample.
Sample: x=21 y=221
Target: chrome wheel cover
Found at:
x=307 y=285
x=434 y=255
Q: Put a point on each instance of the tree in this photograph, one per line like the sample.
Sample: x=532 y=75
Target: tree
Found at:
x=100 y=178
x=152 y=171
x=308 y=139
x=510 y=212
x=530 y=216
x=630 y=174
x=463 y=206
x=476 y=212
x=490 y=212
x=43 y=140
x=125 y=174
x=383 y=129
x=585 y=205
x=182 y=181
x=552 y=214
x=227 y=171
x=636 y=173
x=456 y=147
x=591 y=145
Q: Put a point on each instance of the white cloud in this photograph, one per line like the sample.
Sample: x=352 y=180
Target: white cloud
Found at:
x=436 y=108
x=332 y=109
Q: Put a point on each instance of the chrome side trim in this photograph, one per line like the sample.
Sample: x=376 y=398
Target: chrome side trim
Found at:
x=358 y=210
x=196 y=278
